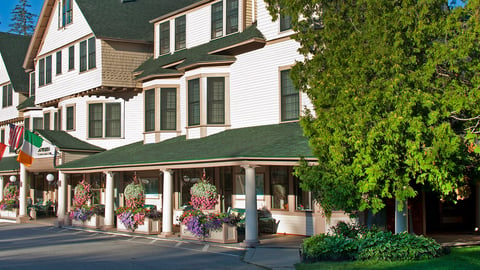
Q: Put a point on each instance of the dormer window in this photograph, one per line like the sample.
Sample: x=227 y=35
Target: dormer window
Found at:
x=227 y=9
x=165 y=37
x=180 y=33
x=217 y=20
x=232 y=16
x=65 y=13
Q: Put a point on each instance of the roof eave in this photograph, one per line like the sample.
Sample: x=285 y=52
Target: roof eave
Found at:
x=181 y=10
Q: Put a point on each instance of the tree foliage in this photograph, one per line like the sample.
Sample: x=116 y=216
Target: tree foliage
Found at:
x=22 y=20
x=392 y=83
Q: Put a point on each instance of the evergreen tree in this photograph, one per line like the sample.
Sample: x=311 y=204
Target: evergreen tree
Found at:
x=22 y=20
x=394 y=86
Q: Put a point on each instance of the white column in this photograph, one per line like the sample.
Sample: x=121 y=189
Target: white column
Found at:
x=1 y=187
x=22 y=211
x=167 y=208
x=109 y=211
x=401 y=217
x=251 y=221
x=62 y=194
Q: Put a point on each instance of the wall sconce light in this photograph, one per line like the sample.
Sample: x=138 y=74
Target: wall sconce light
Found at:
x=50 y=178
x=13 y=178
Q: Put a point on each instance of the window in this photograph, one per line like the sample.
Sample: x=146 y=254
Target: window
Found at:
x=150 y=110
x=41 y=72
x=71 y=57
x=32 y=83
x=232 y=16
x=7 y=96
x=2 y=136
x=70 y=117
x=290 y=104
x=37 y=123
x=26 y=123
x=303 y=198
x=217 y=20
x=59 y=62
x=180 y=33
x=215 y=100
x=57 y=119
x=168 y=109
x=165 y=37
x=67 y=12
x=46 y=121
x=279 y=187
x=194 y=102
x=285 y=22
x=112 y=120
x=87 y=58
x=48 y=69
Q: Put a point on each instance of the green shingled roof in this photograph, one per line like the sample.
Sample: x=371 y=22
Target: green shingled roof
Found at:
x=13 y=49
x=197 y=55
x=278 y=142
x=66 y=142
x=9 y=164
x=27 y=103
x=129 y=20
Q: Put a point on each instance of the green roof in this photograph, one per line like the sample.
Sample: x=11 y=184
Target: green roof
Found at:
x=27 y=103
x=129 y=20
x=197 y=55
x=277 y=142
x=66 y=142
x=13 y=49
x=9 y=164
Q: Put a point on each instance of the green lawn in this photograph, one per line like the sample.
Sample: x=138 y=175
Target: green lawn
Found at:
x=458 y=259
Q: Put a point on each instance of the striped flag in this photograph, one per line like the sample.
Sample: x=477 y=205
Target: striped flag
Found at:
x=15 y=136
x=2 y=149
x=31 y=144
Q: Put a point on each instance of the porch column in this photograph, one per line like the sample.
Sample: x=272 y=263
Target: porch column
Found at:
x=109 y=211
x=62 y=194
x=167 y=208
x=477 y=203
x=1 y=187
x=251 y=219
x=401 y=218
x=22 y=211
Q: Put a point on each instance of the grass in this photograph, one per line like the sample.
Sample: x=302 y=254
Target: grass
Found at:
x=459 y=258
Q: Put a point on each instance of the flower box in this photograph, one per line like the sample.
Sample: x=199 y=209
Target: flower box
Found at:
x=150 y=226
x=228 y=234
x=10 y=214
x=95 y=221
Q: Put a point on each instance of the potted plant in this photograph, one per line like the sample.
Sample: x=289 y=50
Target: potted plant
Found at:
x=84 y=214
x=9 y=204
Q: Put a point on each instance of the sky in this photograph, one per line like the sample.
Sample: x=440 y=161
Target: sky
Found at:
x=6 y=7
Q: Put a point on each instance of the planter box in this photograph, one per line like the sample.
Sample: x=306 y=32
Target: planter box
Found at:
x=95 y=222
x=10 y=214
x=228 y=234
x=150 y=226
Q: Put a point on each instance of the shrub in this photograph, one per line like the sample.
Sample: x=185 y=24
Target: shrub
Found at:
x=349 y=230
x=324 y=247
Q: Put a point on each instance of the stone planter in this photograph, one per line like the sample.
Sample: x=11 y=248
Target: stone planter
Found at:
x=95 y=222
x=150 y=226
x=10 y=214
x=228 y=234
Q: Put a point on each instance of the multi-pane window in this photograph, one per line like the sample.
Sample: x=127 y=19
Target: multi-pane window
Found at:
x=150 y=110
x=57 y=120
x=41 y=72
x=232 y=16
x=165 y=37
x=92 y=59
x=217 y=20
x=46 y=121
x=48 y=69
x=279 y=187
x=71 y=57
x=168 y=109
x=59 y=62
x=83 y=55
x=26 y=123
x=215 y=100
x=37 y=123
x=70 y=117
x=285 y=22
x=2 y=136
x=290 y=100
x=67 y=12
x=96 y=116
x=194 y=102
x=32 y=83
x=303 y=198
x=7 y=96
x=180 y=33
x=87 y=57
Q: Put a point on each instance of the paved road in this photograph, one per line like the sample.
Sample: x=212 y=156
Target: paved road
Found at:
x=30 y=246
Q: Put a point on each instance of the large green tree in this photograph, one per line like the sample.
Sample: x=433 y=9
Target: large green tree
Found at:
x=395 y=88
x=22 y=19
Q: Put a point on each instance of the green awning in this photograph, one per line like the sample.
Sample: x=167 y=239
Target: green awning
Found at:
x=9 y=165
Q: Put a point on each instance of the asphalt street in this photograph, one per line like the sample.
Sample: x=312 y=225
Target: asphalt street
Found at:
x=31 y=246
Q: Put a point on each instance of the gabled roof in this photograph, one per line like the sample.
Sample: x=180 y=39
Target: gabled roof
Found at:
x=68 y=143
x=9 y=164
x=13 y=49
x=110 y=19
x=215 y=52
x=271 y=142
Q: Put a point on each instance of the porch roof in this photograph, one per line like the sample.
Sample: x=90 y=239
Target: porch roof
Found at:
x=280 y=142
x=9 y=165
x=66 y=142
